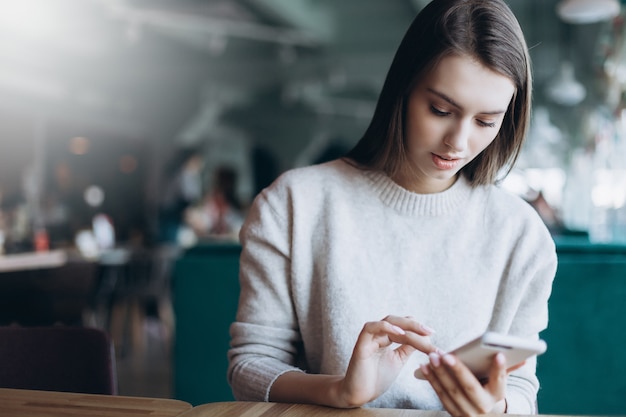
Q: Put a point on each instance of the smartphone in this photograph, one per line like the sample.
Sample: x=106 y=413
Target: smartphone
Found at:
x=478 y=354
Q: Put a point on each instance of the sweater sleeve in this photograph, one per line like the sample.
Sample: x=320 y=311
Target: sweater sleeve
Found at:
x=265 y=337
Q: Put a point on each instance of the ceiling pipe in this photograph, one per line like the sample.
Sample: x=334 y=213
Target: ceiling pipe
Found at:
x=209 y=26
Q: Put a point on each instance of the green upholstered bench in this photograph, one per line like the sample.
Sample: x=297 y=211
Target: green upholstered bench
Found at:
x=584 y=368
x=205 y=294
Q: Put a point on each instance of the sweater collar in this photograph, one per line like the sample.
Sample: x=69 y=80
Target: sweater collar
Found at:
x=410 y=203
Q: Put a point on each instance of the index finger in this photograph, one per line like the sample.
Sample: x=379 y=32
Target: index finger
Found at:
x=416 y=334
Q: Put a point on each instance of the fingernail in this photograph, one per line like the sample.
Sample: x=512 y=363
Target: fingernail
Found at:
x=449 y=359
x=427 y=329
x=425 y=370
x=397 y=329
x=500 y=360
x=434 y=359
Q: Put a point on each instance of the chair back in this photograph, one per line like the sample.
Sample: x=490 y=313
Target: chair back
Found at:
x=57 y=358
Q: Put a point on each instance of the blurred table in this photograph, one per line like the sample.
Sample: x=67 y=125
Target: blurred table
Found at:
x=32 y=260
x=23 y=403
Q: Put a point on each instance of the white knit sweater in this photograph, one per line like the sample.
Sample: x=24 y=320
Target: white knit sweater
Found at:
x=329 y=247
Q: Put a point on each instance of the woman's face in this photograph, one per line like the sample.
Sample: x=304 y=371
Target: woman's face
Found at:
x=453 y=114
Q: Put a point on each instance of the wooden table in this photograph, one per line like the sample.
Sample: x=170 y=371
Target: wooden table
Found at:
x=258 y=409
x=254 y=409
x=27 y=403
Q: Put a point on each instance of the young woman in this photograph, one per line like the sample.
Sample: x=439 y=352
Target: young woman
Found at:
x=357 y=271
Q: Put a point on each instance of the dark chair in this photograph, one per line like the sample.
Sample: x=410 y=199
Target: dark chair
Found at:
x=57 y=358
x=47 y=296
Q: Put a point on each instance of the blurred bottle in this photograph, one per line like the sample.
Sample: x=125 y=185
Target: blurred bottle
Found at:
x=41 y=240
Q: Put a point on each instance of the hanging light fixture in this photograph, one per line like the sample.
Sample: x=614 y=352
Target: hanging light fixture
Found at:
x=587 y=11
x=565 y=89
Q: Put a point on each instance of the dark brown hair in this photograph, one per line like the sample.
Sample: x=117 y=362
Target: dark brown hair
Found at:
x=484 y=30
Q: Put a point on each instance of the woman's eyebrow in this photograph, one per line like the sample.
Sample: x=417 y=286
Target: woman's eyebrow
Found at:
x=458 y=106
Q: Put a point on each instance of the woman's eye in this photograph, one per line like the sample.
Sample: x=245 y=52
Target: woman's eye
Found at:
x=486 y=124
x=438 y=112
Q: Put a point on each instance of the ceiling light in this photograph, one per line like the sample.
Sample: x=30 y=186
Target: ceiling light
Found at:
x=565 y=88
x=587 y=11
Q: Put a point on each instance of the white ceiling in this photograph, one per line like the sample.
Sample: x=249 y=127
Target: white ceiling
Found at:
x=154 y=65
x=172 y=69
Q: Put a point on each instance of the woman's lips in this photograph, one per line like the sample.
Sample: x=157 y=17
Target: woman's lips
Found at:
x=444 y=162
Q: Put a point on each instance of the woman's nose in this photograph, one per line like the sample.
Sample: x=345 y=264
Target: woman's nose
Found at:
x=457 y=138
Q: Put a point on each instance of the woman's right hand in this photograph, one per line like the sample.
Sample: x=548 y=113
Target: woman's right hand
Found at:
x=373 y=367
x=374 y=364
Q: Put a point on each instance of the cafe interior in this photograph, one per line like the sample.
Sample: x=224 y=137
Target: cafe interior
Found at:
x=127 y=127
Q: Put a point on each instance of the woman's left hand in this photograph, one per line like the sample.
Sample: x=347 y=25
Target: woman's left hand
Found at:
x=460 y=392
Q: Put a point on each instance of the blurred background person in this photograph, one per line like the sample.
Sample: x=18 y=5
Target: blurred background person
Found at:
x=220 y=213
x=184 y=188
